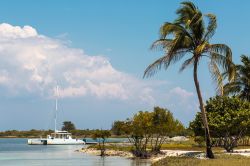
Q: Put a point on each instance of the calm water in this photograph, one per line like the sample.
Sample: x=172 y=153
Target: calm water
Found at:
x=16 y=152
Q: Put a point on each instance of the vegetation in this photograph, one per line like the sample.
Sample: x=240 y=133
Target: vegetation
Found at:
x=228 y=119
x=221 y=160
x=24 y=134
x=188 y=36
x=241 y=85
x=113 y=146
x=164 y=125
x=100 y=136
x=147 y=131
x=68 y=126
x=43 y=133
x=117 y=128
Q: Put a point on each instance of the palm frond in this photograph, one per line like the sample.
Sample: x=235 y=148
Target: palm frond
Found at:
x=164 y=61
x=173 y=28
x=162 y=44
x=212 y=25
x=187 y=63
x=222 y=54
x=221 y=49
x=185 y=12
x=201 y=48
x=216 y=76
x=190 y=17
x=194 y=20
x=241 y=84
x=232 y=88
x=189 y=4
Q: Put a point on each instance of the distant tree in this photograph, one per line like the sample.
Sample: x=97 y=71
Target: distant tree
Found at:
x=117 y=128
x=82 y=133
x=68 y=125
x=229 y=120
x=100 y=136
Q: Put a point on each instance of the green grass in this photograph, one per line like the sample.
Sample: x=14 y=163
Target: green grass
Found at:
x=220 y=160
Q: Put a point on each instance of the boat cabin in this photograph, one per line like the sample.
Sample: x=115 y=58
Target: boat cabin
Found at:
x=60 y=135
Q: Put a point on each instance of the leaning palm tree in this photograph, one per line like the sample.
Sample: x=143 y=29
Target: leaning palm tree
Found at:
x=188 y=36
x=241 y=85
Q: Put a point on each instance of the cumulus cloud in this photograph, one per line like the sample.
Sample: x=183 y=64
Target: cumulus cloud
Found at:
x=182 y=100
x=181 y=92
x=33 y=63
x=9 y=31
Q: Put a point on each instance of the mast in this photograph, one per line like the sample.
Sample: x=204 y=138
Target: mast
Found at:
x=57 y=95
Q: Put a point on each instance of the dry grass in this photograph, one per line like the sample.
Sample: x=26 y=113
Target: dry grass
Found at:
x=221 y=160
x=192 y=146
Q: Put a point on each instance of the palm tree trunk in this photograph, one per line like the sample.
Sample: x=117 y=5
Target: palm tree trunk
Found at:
x=209 y=152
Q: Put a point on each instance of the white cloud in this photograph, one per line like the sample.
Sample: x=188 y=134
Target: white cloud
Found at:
x=32 y=63
x=9 y=31
x=181 y=92
x=3 y=77
x=182 y=100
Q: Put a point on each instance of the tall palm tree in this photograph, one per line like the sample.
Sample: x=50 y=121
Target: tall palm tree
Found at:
x=241 y=85
x=188 y=36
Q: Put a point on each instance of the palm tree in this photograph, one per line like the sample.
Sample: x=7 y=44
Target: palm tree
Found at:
x=188 y=36
x=241 y=85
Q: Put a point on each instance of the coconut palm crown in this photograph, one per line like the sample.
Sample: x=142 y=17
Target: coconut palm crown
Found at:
x=241 y=85
x=188 y=37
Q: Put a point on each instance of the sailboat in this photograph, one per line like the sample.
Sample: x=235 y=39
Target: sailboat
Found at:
x=58 y=137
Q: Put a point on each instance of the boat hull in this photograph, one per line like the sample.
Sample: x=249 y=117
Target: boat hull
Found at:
x=55 y=141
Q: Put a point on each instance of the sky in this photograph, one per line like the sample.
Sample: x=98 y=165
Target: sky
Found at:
x=96 y=52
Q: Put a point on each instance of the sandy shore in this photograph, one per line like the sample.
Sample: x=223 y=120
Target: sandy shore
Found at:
x=108 y=152
x=165 y=153
x=180 y=153
x=243 y=152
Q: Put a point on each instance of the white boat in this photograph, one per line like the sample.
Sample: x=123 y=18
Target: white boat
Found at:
x=58 y=137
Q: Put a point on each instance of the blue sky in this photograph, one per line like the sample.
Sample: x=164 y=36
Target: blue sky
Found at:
x=64 y=36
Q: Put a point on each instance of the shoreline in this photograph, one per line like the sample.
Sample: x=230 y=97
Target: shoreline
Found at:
x=108 y=152
x=165 y=153
x=129 y=155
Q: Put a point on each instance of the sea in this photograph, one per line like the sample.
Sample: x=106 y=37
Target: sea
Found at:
x=16 y=152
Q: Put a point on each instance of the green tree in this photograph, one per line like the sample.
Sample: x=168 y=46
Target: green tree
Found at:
x=117 y=128
x=241 y=85
x=188 y=36
x=100 y=136
x=164 y=124
x=82 y=133
x=147 y=131
x=229 y=120
x=141 y=127
x=68 y=125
